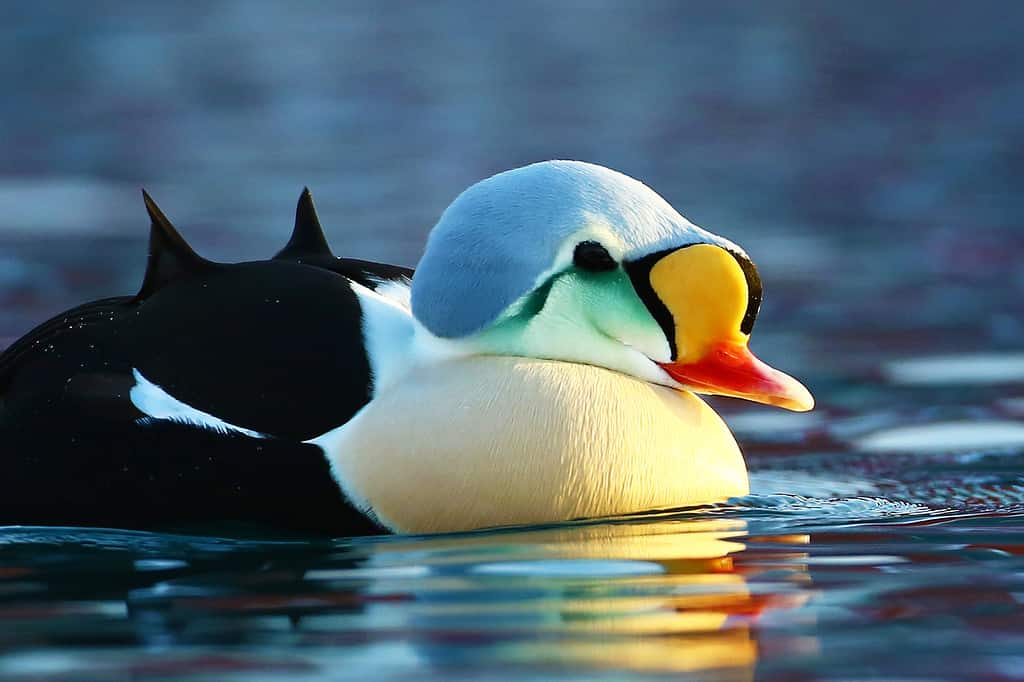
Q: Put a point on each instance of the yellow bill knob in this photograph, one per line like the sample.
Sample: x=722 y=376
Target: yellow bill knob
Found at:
x=708 y=295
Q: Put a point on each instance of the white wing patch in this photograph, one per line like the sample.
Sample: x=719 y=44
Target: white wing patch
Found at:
x=159 y=405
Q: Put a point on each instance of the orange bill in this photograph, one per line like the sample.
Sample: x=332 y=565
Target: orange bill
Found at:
x=730 y=369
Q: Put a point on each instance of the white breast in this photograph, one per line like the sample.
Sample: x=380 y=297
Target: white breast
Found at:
x=489 y=441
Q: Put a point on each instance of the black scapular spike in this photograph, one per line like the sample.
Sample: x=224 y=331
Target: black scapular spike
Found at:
x=170 y=256
x=308 y=237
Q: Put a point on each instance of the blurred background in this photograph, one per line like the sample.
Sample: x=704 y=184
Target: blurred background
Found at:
x=867 y=155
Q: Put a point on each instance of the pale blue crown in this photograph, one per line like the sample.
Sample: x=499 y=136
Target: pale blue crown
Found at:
x=495 y=241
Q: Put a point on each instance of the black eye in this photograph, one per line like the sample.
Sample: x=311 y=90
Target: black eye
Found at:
x=593 y=257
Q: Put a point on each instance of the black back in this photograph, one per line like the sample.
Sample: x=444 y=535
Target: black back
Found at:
x=273 y=346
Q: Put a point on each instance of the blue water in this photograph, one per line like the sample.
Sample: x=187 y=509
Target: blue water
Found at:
x=868 y=157
x=780 y=587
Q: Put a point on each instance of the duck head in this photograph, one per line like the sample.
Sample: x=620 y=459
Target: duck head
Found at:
x=564 y=260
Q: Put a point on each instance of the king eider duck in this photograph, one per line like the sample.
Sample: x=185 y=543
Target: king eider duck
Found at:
x=540 y=365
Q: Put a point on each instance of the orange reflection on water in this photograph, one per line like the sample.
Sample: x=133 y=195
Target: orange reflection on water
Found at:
x=670 y=595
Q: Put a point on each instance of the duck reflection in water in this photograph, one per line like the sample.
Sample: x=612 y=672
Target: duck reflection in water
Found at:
x=670 y=595
x=663 y=594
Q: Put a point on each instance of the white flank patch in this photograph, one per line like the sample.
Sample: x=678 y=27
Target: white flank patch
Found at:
x=387 y=330
x=398 y=290
x=158 y=404
x=332 y=444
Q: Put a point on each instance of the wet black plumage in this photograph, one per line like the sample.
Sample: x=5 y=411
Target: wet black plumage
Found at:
x=273 y=346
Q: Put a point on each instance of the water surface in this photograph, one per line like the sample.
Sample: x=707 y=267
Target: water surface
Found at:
x=868 y=157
